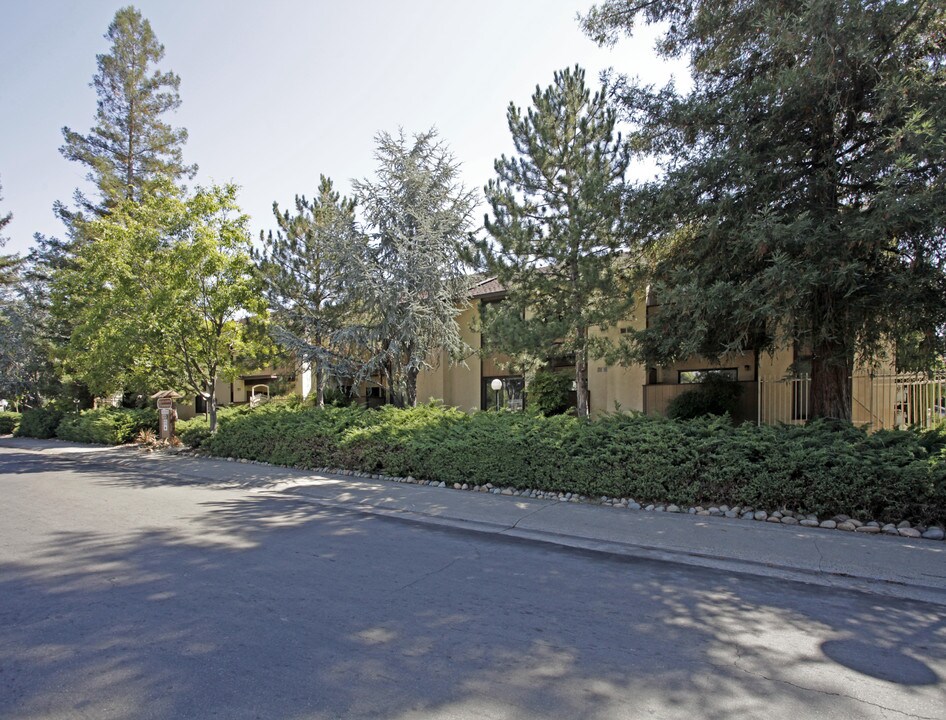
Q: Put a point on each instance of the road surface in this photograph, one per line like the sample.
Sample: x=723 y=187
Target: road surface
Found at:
x=123 y=596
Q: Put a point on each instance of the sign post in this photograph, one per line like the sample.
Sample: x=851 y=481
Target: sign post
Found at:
x=167 y=413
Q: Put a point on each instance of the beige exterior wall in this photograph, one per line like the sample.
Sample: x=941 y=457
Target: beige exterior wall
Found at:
x=618 y=387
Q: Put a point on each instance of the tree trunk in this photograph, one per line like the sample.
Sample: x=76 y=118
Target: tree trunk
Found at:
x=831 y=382
x=212 y=404
x=319 y=385
x=412 y=387
x=581 y=376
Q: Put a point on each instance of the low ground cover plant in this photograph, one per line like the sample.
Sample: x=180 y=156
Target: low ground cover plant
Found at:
x=820 y=468
x=9 y=422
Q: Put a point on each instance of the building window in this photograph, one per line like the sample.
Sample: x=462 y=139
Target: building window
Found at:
x=686 y=377
x=511 y=396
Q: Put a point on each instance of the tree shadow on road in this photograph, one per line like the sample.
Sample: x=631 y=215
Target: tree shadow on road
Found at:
x=261 y=606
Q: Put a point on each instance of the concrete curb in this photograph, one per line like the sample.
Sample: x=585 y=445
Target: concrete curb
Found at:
x=837 y=580
x=130 y=460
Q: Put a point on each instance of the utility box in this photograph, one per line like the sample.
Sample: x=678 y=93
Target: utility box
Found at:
x=167 y=412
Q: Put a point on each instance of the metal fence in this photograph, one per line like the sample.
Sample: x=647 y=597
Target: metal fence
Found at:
x=878 y=401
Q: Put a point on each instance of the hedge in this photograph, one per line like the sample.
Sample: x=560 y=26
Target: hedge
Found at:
x=9 y=422
x=819 y=468
x=107 y=426
x=39 y=423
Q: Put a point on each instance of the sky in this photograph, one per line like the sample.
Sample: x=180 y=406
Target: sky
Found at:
x=276 y=93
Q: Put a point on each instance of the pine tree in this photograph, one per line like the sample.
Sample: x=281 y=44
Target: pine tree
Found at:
x=803 y=198
x=556 y=241
x=410 y=279
x=306 y=272
x=8 y=263
x=131 y=147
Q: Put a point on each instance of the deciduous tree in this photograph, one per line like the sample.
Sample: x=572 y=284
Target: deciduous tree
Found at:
x=175 y=286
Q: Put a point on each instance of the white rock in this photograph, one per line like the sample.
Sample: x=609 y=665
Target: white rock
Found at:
x=908 y=532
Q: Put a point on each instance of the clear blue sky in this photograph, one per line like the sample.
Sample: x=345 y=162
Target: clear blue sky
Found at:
x=275 y=93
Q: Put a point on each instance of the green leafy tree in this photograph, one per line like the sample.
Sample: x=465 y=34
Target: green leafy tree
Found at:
x=175 y=285
x=410 y=279
x=556 y=240
x=131 y=150
x=803 y=197
x=306 y=269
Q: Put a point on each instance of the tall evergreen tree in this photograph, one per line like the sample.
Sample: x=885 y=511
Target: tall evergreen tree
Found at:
x=131 y=147
x=8 y=263
x=131 y=153
x=556 y=240
x=803 y=198
x=306 y=269
x=411 y=279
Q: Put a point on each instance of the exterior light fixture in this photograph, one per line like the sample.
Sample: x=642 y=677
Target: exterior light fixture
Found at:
x=496 y=385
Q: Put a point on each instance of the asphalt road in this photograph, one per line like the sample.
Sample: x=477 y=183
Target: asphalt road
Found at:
x=122 y=596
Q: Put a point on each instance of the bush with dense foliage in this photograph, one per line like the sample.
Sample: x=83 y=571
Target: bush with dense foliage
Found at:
x=819 y=468
x=715 y=395
x=550 y=393
x=106 y=426
x=9 y=422
x=194 y=431
x=39 y=422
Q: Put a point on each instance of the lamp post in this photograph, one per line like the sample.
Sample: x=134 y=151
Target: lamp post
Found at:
x=497 y=385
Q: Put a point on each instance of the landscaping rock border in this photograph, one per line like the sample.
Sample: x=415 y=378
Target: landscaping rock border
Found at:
x=782 y=516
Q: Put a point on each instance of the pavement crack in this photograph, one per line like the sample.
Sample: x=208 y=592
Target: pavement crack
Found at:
x=427 y=575
x=528 y=515
x=820 y=555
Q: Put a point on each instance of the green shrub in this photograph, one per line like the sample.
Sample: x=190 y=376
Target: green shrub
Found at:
x=715 y=395
x=107 y=426
x=820 y=468
x=193 y=432
x=39 y=423
x=9 y=422
x=549 y=393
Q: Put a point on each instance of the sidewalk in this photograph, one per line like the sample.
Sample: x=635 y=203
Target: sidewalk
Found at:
x=893 y=566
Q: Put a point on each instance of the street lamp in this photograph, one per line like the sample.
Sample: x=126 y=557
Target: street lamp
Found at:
x=497 y=385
